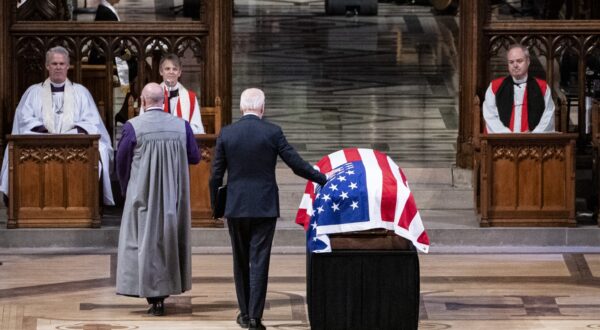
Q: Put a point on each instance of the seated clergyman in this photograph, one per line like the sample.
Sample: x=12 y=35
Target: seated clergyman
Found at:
x=60 y=106
x=518 y=103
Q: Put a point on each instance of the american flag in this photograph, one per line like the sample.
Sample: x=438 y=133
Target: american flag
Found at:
x=367 y=191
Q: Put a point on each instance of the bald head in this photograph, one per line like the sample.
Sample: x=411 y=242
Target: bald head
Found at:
x=252 y=100
x=152 y=96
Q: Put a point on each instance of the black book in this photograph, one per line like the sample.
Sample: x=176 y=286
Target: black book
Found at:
x=220 y=200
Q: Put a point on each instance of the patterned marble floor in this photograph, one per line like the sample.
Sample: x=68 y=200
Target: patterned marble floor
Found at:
x=387 y=82
x=517 y=291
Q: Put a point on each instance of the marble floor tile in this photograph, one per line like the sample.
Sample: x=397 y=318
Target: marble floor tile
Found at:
x=458 y=291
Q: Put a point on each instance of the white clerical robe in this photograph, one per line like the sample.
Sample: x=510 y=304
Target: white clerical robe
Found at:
x=492 y=118
x=62 y=113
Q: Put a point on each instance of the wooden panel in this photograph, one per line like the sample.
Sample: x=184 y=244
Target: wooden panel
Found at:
x=554 y=174
x=97 y=80
x=30 y=192
x=528 y=183
x=199 y=188
x=76 y=183
x=200 y=173
x=53 y=181
x=503 y=193
x=212 y=117
x=53 y=184
x=527 y=180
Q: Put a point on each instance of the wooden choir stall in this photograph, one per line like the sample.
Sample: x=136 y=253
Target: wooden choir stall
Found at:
x=527 y=180
x=200 y=173
x=53 y=182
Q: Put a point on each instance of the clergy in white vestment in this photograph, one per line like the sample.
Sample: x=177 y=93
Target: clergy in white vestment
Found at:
x=179 y=101
x=518 y=103
x=59 y=106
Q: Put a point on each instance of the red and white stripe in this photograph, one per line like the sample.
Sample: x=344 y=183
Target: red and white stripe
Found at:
x=391 y=204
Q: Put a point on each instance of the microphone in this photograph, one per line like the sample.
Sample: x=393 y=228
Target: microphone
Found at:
x=170 y=84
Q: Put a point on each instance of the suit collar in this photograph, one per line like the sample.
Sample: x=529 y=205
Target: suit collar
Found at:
x=250 y=116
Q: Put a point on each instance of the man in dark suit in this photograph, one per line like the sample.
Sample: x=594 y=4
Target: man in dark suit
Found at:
x=248 y=151
x=106 y=11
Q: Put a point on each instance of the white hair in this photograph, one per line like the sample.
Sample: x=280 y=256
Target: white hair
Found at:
x=522 y=47
x=252 y=99
x=57 y=50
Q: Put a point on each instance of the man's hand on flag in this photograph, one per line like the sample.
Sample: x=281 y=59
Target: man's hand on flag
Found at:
x=333 y=173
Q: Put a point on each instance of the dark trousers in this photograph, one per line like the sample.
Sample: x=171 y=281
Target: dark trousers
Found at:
x=251 y=240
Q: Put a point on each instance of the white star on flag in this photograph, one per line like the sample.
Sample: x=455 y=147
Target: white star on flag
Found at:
x=378 y=198
x=335 y=207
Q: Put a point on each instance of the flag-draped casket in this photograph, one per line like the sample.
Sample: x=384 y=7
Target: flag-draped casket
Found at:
x=367 y=190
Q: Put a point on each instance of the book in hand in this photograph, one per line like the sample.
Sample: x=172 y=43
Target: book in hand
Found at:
x=220 y=200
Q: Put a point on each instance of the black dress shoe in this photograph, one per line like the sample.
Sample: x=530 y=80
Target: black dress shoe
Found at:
x=158 y=308
x=242 y=320
x=255 y=324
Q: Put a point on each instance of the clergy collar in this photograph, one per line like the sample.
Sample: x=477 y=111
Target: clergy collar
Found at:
x=57 y=88
x=176 y=87
x=62 y=84
x=519 y=81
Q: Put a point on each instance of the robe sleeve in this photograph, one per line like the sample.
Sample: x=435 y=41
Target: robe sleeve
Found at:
x=546 y=123
x=124 y=159
x=196 y=120
x=491 y=115
x=27 y=114
x=193 y=154
x=88 y=118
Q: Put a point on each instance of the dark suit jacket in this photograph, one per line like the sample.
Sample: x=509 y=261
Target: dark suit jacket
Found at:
x=103 y=13
x=248 y=151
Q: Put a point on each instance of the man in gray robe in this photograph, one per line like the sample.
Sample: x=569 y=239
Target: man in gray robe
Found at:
x=62 y=107
x=154 y=257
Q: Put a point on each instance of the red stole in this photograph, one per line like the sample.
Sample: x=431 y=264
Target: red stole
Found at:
x=166 y=105
x=496 y=83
